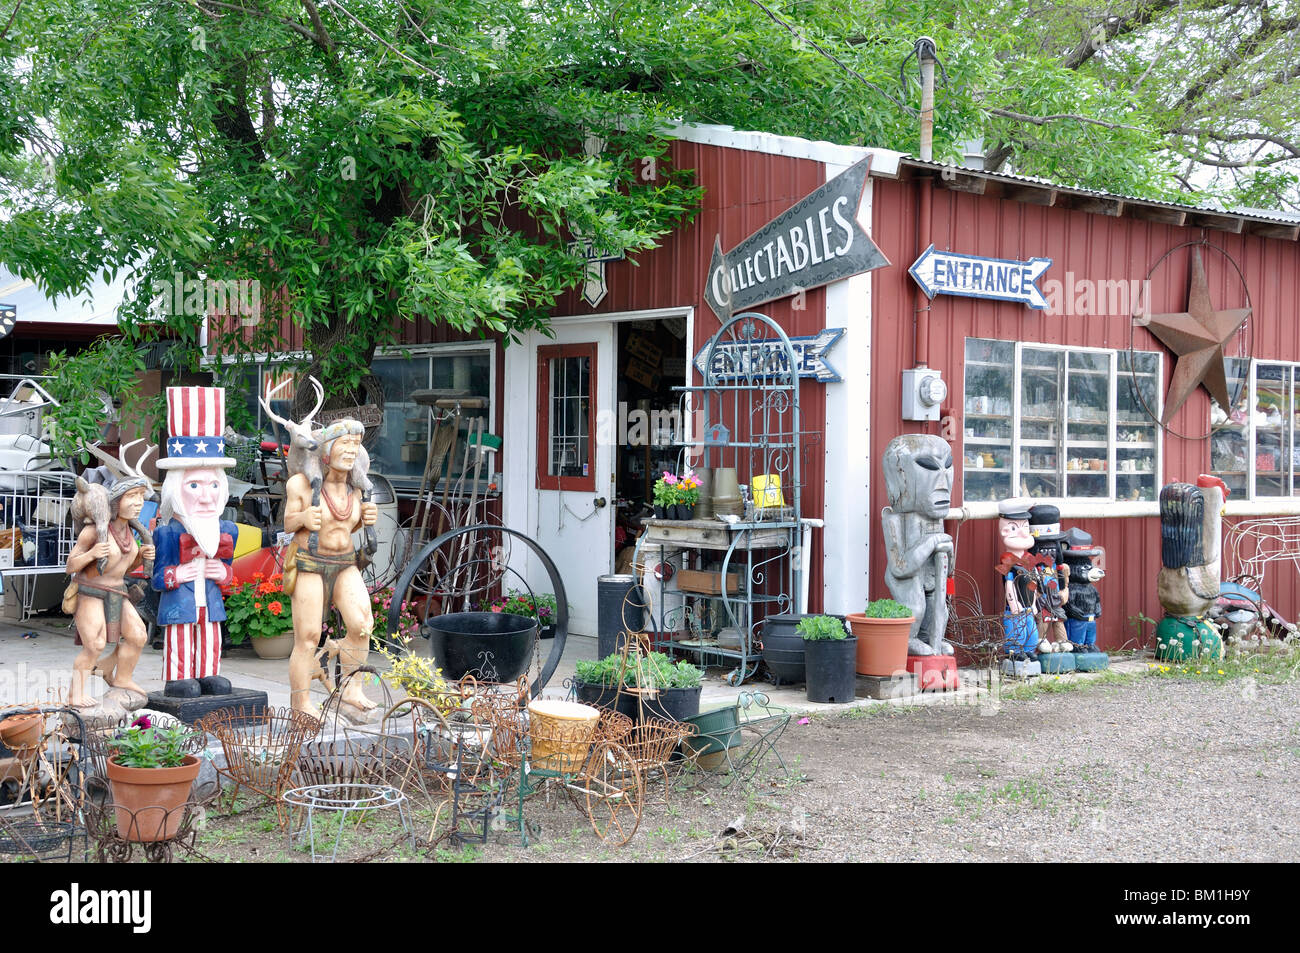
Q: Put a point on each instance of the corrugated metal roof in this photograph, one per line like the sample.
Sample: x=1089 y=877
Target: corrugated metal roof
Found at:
x=886 y=162
x=98 y=306
x=1271 y=216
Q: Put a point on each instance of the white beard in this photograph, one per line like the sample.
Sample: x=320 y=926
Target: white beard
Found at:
x=206 y=531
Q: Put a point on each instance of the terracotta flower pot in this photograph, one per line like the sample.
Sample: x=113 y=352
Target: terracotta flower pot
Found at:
x=276 y=647
x=150 y=801
x=22 y=731
x=882 y=644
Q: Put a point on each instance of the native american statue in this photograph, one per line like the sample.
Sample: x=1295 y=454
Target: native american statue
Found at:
x=107 y=508
x=918 y=482
x=322 y=567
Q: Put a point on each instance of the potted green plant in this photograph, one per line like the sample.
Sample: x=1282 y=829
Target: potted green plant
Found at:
x=665 y=495
x=677 y=685
x=260 y=611
x=150 y=775
x=829 y=653
x=882 y=631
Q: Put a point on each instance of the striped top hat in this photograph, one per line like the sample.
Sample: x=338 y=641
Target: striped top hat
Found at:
x=196 y=421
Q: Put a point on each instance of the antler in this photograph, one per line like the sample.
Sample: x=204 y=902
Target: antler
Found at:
x=288 y=425
x=266 y=404
x=320 y=402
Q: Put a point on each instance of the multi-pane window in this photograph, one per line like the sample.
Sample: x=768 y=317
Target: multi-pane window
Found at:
x=400 y=449
x=402 y=446
x=1253 y=445
x=566 y=418
x=1059 y=423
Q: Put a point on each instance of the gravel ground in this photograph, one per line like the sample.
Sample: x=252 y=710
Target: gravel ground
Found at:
x=1136 y=769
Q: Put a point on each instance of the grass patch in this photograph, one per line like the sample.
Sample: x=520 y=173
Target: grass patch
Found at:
x=1267 y=665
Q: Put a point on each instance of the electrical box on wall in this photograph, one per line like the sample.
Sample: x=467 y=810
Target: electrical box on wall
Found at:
x=923 y=392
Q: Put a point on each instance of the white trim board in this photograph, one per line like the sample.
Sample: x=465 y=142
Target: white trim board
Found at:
x=884 y=161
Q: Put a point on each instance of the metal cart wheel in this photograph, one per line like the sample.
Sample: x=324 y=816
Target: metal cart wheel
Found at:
x=615 y=794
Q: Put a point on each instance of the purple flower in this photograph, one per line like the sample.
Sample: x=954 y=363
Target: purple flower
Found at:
x=142 y=722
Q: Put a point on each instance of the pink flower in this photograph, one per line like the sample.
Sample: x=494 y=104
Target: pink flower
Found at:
x=142 y=722
x=804 y=721
x=669 y=478
x=496 y=608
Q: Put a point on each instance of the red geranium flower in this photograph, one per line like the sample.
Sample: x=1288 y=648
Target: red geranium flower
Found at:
x=257 y=605
x=276 y=608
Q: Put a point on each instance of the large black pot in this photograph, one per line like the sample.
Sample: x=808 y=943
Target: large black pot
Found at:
x=783 y=648
x=672 y=704
x=491 y=646
x=607 y=697
x=831 y=668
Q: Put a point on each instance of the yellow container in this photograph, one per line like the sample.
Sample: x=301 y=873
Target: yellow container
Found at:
x=767 y=491
x=561 y=734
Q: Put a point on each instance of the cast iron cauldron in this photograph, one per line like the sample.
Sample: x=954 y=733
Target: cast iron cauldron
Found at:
x=491 y=646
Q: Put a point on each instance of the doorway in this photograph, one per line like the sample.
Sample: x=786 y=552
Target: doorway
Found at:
x=588 y=398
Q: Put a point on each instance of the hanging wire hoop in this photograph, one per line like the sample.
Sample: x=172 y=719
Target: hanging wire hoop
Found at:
x=1247 y=328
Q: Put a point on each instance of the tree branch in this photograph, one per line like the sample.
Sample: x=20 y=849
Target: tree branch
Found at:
x=1287 y=144
x=1113 y=26
x=13 y=16
x=334 y=4
x=1044 y=120
x=1268 y=29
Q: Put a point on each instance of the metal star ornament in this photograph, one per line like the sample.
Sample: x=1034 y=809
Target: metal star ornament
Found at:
x=1197 y=337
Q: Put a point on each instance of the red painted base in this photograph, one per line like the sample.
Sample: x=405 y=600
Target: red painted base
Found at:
x=934 y=673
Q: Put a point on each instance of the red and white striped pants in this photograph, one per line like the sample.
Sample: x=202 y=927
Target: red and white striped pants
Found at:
x=193 y=649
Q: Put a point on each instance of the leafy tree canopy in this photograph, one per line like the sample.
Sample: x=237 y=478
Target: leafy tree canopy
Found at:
x=374 y=161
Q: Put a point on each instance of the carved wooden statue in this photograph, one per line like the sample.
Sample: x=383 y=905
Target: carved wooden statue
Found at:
x=1021 y=590
x=107 y=504
x=918 y=482
x=322 y=565
x=195 y=545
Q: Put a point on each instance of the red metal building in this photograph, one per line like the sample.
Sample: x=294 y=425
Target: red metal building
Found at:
x=1090 y=448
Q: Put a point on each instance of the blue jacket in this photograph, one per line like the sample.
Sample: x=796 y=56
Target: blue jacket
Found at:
x=176 y=606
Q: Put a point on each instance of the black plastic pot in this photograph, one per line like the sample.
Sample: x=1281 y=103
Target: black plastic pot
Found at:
x=661 y=512
x=607 y=697
x=491 y=646
x=829 y=665
x=672 y=704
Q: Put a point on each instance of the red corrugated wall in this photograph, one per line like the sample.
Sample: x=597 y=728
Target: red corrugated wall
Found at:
x=743 y=191
x=1092 y=246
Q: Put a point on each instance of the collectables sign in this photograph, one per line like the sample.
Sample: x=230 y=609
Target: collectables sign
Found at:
x=816 y=241
x=733 y=360
x=973 y=276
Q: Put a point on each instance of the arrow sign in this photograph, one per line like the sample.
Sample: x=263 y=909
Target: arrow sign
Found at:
x=971 y=276
x=816 y=241
x=733 y=360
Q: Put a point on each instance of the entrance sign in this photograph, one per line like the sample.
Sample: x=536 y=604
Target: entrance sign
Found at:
x=736 y=359
x=816 y=241
x=971 y=276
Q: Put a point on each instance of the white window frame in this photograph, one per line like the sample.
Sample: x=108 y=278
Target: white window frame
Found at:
x=1252 y=401
x=1111 y=427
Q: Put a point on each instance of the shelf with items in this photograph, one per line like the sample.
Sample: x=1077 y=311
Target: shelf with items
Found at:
x=750 y=424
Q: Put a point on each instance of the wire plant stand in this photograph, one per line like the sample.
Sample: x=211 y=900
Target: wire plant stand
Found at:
x=354 y=802
x=747 y=418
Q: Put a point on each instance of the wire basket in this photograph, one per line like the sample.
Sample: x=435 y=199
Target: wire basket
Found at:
x=262 y=749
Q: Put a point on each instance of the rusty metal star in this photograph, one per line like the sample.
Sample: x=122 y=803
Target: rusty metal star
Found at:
x=1197 y=337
